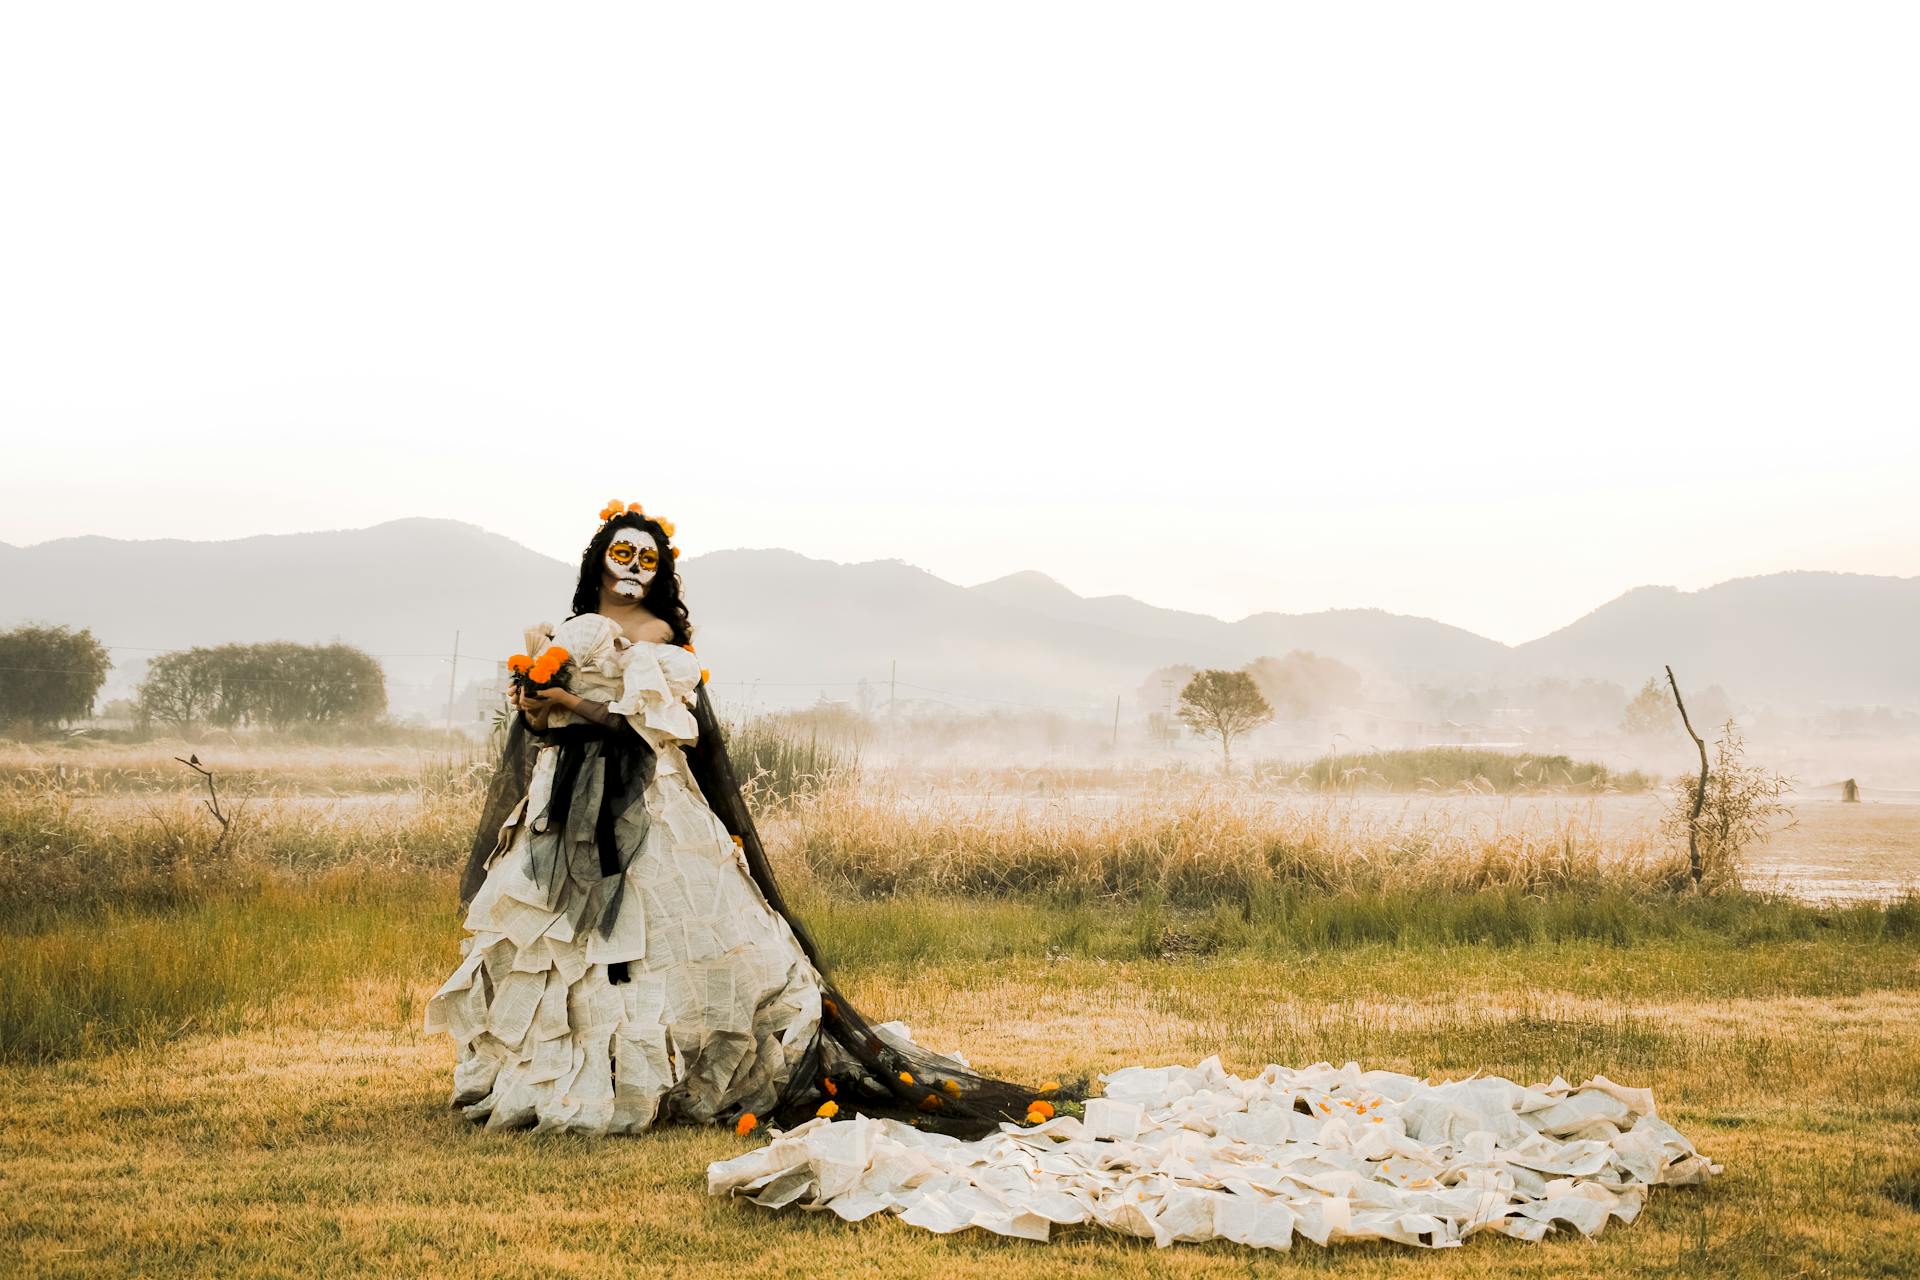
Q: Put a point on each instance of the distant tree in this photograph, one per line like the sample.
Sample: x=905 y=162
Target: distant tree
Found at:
x=49 y=674
x=1651 y=711
x=1711 y=706
x=180 y=689
x=1157 y=697
x=1223 y=705
x=277 y=685
x=1304 y=684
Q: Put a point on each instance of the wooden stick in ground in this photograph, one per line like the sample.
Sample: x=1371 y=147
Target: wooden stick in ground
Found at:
x=1700 y=791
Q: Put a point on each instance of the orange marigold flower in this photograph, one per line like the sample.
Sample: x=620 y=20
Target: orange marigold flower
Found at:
x=519 y=664
x=829 y=1109
x=833 y=1090
x=745 y=1124
x=634 y=508
x=676 y=553
x=1040 y=1107
x=666 y=527
x=1049 y=1086
x=687 y=647
x=930 y=1103
x=950 y=1087
x=705 y=675
x=906 y=1077
x=559 y=655
x=1034 y=1117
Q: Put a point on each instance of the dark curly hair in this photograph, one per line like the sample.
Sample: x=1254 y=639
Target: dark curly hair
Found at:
x=662 y=599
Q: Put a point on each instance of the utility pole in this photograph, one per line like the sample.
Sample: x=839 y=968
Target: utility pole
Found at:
x=452 y=671
x=1116 y=722
x=893 y=677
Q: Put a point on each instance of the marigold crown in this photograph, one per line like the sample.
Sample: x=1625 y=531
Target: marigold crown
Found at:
x=615 y=509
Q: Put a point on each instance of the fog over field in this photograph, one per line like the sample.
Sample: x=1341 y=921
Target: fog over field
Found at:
x=1018 y=697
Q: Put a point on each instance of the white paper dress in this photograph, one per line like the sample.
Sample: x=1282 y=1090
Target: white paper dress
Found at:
x=722 y=1001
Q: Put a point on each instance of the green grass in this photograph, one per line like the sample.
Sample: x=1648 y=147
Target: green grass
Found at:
x=1456 y=769
x=140 y=974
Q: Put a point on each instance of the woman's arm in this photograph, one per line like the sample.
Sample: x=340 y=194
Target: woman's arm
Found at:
x=547 y=701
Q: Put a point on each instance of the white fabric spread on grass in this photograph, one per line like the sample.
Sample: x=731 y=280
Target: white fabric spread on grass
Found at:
x=1190 y=1154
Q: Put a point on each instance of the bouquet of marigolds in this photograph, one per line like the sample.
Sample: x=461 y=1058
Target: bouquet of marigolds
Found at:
x=548 y=671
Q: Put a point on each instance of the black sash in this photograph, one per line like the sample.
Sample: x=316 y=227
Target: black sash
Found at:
x=616 y=763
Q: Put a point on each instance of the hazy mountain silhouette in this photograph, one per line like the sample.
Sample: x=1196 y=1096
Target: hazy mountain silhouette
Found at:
x=798 y=627
x=1804 y=638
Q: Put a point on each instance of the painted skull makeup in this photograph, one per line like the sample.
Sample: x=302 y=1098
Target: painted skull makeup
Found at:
x=632 y=559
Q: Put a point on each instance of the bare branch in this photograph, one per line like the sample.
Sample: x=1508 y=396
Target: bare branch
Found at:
x=212 y=802
x=1699 y=792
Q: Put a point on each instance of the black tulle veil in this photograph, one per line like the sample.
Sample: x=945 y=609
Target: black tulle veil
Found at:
x=848 y=1061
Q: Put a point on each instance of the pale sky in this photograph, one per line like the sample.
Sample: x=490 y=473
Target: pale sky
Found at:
x=1483 y=312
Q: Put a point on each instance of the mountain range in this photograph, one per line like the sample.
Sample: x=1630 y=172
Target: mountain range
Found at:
x=780 y=628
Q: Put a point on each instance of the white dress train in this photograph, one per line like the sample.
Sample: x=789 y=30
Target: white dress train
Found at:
x=1194 y=1153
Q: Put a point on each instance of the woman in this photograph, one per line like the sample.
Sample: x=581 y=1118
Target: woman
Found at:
x=630 y=959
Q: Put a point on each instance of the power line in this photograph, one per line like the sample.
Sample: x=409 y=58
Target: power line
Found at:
x=892 y=681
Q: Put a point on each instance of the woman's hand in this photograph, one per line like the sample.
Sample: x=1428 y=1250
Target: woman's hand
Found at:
x=539 y=704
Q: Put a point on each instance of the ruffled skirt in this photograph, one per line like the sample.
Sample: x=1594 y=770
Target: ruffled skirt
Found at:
x=720 y=1004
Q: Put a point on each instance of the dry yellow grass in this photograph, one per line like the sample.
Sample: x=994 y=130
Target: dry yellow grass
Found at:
x=1201 y=843
x=315 y=1139
x=244 y=766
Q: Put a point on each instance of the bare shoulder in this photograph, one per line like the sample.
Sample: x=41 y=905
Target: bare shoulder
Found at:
x=651 y=631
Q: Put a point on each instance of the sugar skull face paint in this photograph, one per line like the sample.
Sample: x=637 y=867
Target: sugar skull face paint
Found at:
x=632 y=560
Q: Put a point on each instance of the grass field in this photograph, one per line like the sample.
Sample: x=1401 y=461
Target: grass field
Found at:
x=211 y=1062
x=305 y=1131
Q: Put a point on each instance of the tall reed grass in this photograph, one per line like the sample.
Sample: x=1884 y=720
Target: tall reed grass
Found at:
x=778 y=762
x=1198 y=847
x=62 y=857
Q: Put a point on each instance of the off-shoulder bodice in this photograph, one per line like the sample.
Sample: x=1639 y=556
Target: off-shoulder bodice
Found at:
x=651 y=684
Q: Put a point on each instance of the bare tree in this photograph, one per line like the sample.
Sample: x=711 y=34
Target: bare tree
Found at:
x=1728 y=807
x=1223 y=705
x=1694 y=867
x=212 y=801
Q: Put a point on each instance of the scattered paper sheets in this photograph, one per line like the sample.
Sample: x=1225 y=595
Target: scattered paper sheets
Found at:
x=1193 y=1153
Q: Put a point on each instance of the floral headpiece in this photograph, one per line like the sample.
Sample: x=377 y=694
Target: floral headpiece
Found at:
x=615 y=509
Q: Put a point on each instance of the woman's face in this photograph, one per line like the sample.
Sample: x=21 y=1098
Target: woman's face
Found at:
x=632 y=560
